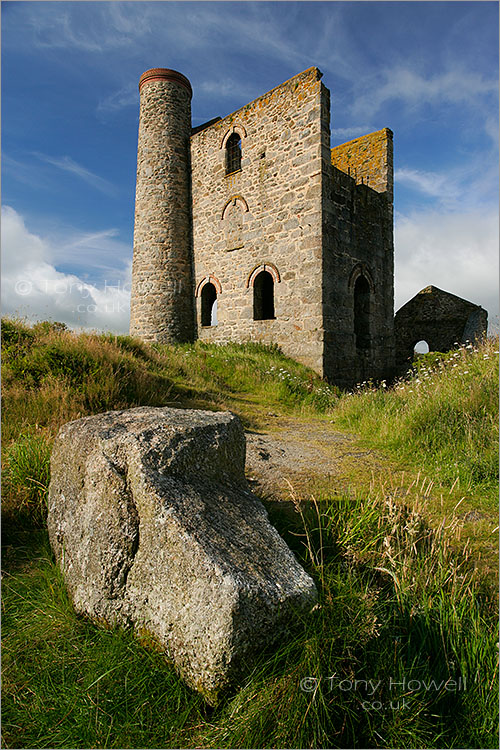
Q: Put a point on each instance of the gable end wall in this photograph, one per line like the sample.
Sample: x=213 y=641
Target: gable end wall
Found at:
x=274 y=217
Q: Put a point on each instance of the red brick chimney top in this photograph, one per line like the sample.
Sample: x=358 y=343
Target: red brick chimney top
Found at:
x=164 y=74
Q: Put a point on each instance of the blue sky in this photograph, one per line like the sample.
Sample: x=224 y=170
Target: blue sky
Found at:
x=427 y=70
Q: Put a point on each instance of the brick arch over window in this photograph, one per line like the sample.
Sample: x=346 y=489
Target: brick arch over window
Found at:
x=236 y=128
x=360 y=269
x=269 y=267
x=208 y=280
x=235 y=200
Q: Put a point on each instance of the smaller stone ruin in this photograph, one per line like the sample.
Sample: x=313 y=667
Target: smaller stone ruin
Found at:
x=153 y=526
x=441 y=319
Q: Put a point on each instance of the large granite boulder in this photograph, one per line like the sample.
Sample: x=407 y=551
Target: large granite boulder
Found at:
x=153 y=526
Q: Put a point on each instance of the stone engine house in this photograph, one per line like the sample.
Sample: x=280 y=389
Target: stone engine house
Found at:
x=250 y=227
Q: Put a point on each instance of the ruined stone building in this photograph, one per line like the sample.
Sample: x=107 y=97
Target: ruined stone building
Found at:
x=439 y=318
x=250 y=227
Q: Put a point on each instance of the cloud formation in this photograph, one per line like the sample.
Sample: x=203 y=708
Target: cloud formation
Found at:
x=414 y=89
x=67 y=164
x=455 y=252
x=33 y=288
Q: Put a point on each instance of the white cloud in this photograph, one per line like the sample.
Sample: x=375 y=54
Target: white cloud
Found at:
x=455 y=252
x=225 y=88
x=67 y=164
x=99 y=255
x=346 y=134
x=127 y=96
x=23 y=172
x=491 y=129
x=455 y=86
x=33 y=288
x=469 y=185
x=97 y=29
x=430 y=183
x=446 y=190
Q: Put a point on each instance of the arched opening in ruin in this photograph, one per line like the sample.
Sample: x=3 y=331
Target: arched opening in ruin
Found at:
x=233 y=153
x=263 y=296
x=421 y=347
x=209 y=305
x=362 y=313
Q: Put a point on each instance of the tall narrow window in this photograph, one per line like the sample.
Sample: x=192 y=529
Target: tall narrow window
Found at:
x=233 y=153
x=362 y=313
x=263 y=296
x=209 y=305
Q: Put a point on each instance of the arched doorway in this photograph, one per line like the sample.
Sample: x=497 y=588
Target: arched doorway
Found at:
x=263 y=296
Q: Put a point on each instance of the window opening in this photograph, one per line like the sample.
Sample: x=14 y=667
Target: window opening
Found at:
x=421 y=347
x=233 y=153
x=209 y=305
x=263 y=296
x=362 y=313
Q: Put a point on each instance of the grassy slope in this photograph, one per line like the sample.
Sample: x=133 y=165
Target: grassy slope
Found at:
x=51 y=376
x=444 y=418
x=396 y=603
x=441 y=424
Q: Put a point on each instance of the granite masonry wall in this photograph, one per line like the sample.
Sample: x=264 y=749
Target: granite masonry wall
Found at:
x=267 y=216
x=441 y=319
x=162 y=279
x=359 y=251
x=317 y=220
x=368 y=160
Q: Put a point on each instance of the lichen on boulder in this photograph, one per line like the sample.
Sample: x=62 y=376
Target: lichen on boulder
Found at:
x=153 y=526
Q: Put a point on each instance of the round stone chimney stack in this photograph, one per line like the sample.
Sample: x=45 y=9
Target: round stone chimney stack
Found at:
x=162 y=299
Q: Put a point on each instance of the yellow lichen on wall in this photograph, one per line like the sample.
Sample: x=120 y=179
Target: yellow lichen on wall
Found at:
x=367 y=160
x=298 y=86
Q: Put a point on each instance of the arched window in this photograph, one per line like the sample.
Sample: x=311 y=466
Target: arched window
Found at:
x=209 y=305
x=233 y=153
x=263 y=296
x=362 y=313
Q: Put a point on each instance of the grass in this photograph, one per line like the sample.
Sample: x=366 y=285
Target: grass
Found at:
x=441 y=422
x=27 y=475
x=442 y=418
x=402 y=649
x=108 y=372
x=400 y=652
x=51 y=376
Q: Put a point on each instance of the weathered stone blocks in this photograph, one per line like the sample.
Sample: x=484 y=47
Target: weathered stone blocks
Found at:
x=439 y=318
x=292 y=193
x=153 y=526
x=162 y=233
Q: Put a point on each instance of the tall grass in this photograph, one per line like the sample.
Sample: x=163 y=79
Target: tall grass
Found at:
x=52 y=375
x=26 y=475
x=443 y=417
x=99 y=372
x=400 y=652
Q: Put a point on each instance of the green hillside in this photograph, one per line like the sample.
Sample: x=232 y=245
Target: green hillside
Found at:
x=402 y=650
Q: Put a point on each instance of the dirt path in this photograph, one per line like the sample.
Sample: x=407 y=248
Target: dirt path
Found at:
x=304 y=455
